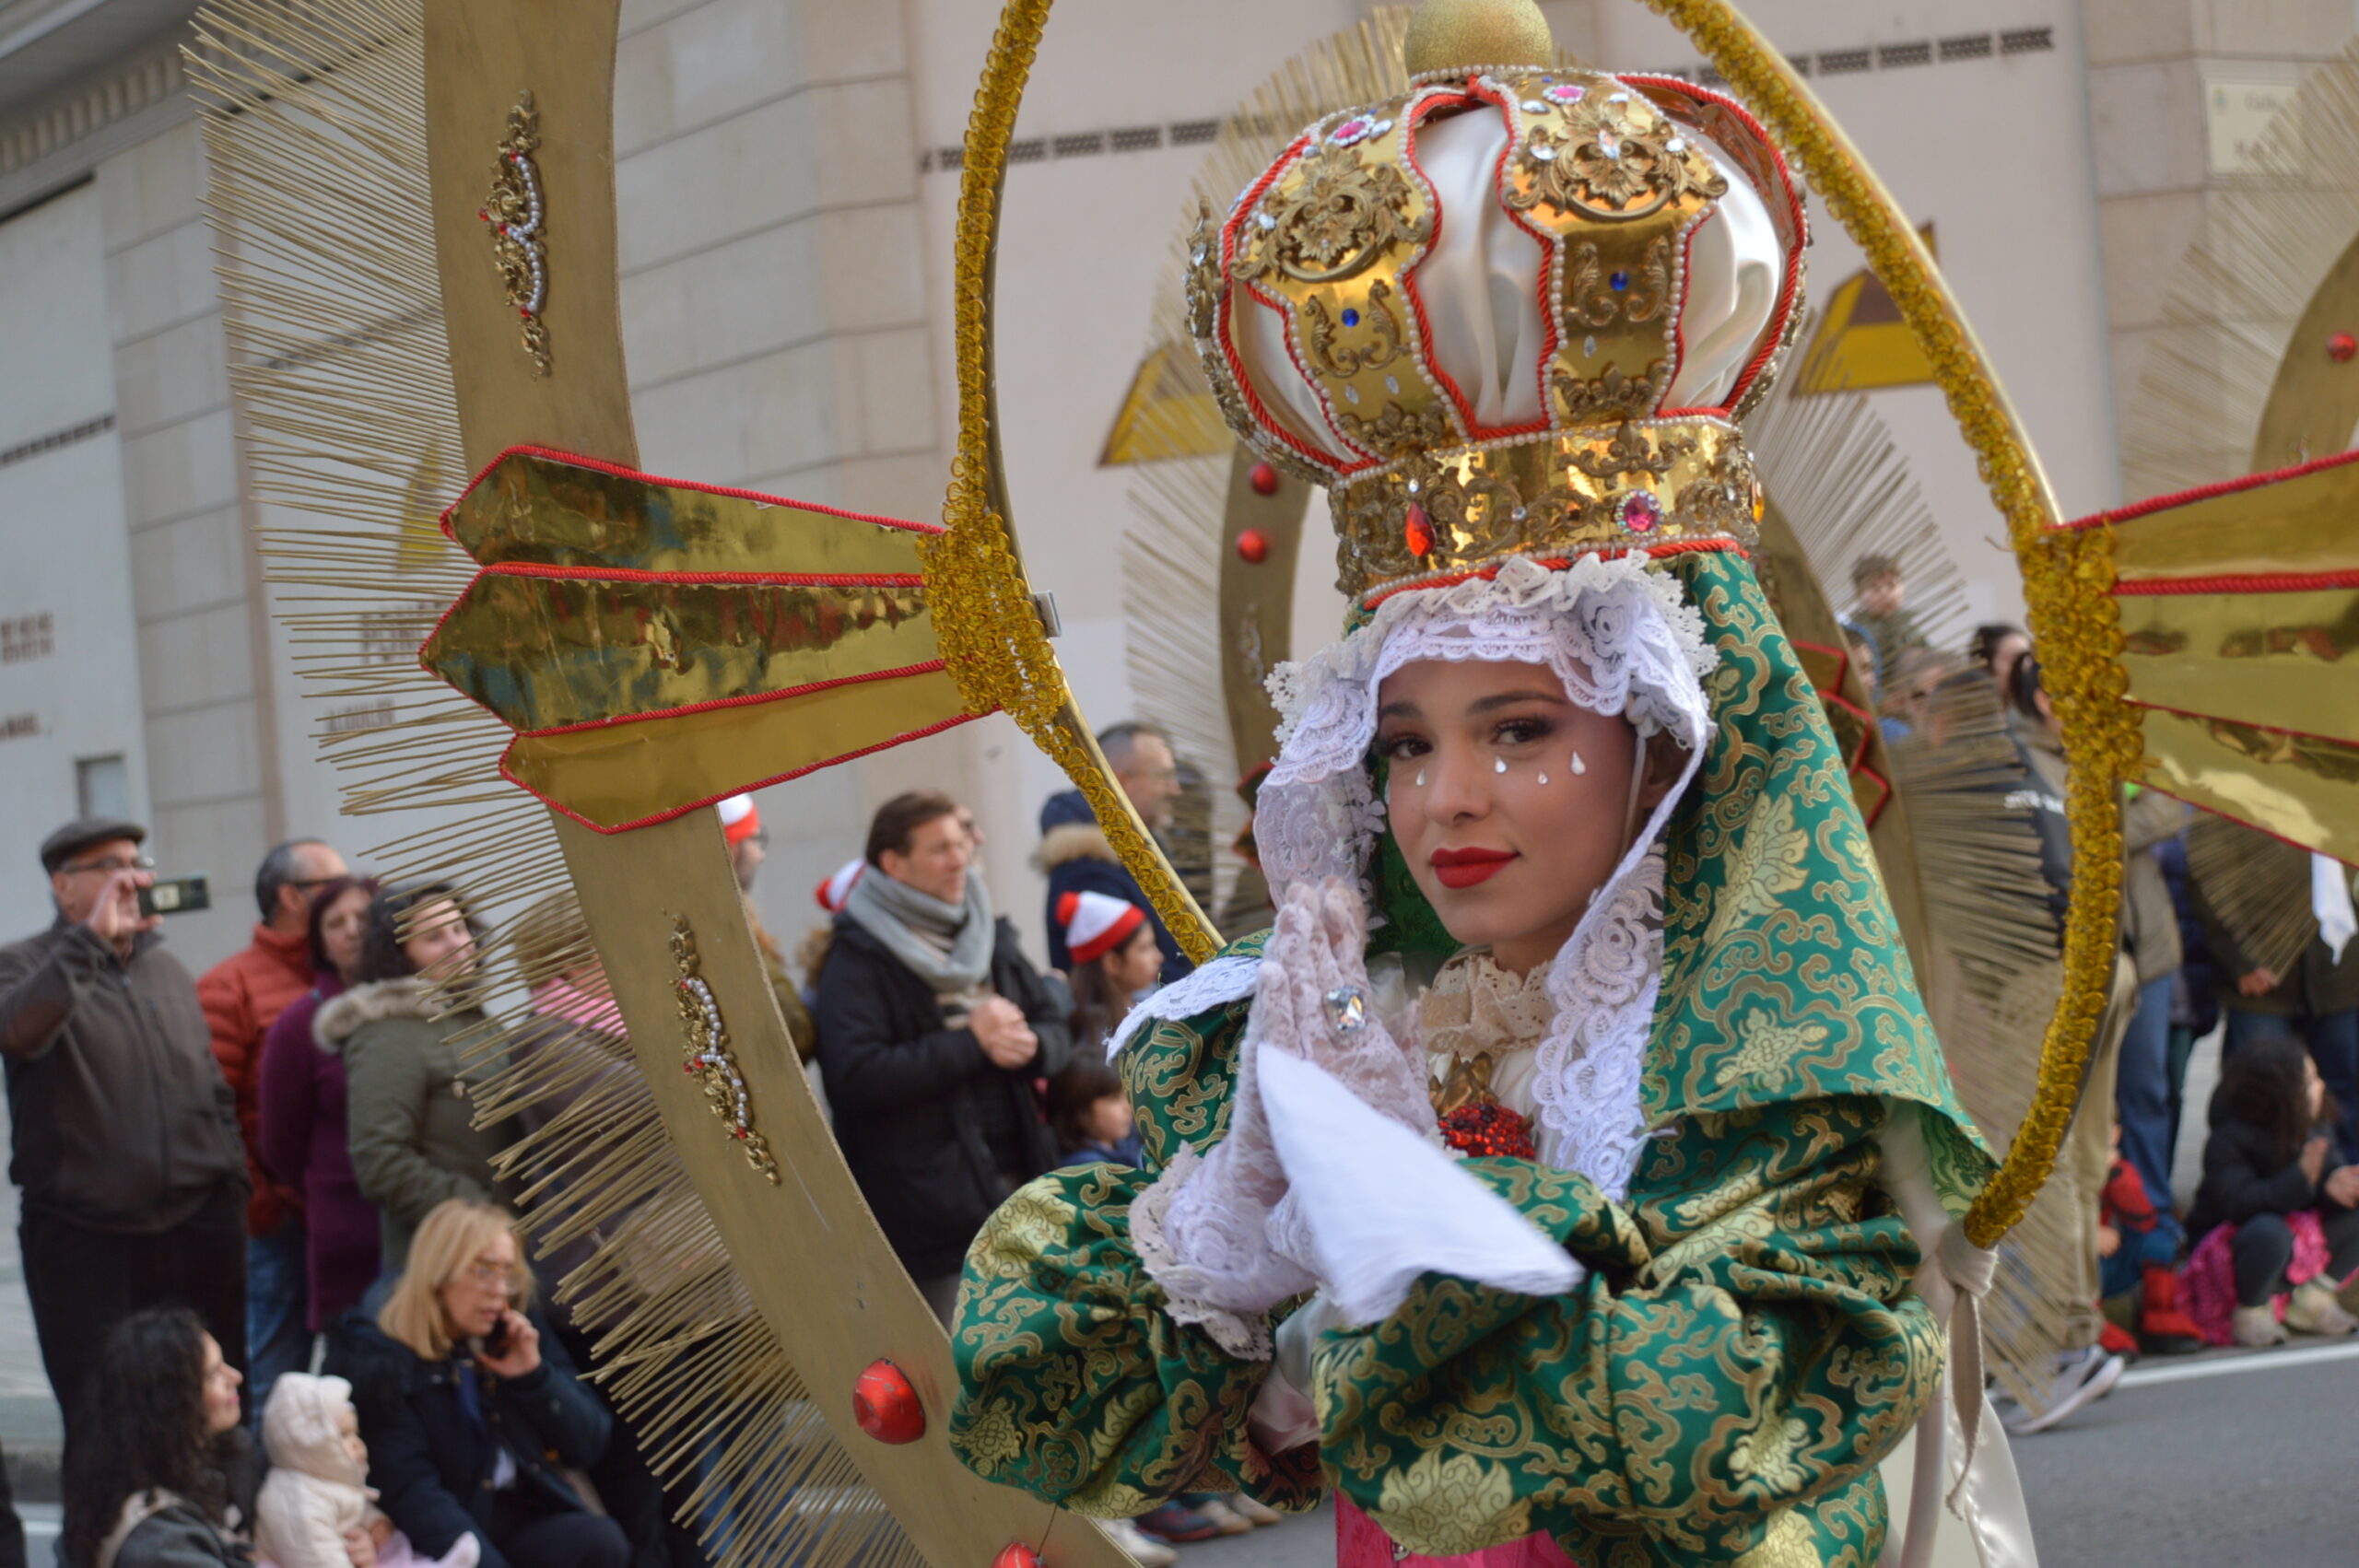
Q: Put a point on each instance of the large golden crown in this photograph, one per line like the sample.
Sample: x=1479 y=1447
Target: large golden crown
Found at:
x=1493 y=313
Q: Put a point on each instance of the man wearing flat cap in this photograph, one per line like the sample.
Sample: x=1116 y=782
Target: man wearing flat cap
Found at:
x=125 y=1136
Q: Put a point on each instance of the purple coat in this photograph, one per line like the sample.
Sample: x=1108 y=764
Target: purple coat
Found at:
x=301 y=1139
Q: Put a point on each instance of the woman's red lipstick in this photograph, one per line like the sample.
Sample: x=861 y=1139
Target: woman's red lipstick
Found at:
x=1468 y=868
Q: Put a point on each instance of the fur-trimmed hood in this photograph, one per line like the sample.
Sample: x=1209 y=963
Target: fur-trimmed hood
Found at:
x=340 y=1017
x=1067 y=842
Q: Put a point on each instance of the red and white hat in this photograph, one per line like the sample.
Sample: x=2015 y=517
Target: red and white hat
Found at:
x=739 y=820
x=1095 y=925
x=832 y=893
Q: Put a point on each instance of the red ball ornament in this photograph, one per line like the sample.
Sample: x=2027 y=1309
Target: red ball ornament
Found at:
x=1417 y=531
x=1015 y=1554
x=2342 y=346
x=885 y=1406
x=1253 y=546
x=1264 y=477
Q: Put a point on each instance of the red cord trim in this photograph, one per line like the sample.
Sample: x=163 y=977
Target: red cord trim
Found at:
x=577 y=461
x=1558 y=563
x=751 y=579
x=1414 y=116
x=747 y=699
x=2256 y=582
x=506 y=772
x=2206 y=492
x=1797 y=217
x=1225 y=326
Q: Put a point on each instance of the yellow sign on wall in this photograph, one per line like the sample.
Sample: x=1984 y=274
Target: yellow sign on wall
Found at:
x=1860 y=343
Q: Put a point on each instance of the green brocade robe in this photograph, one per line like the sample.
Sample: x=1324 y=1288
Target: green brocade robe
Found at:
x=1745 y=1349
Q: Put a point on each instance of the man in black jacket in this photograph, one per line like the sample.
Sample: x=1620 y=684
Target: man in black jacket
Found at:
x=932 y=1029
x=125 y=1136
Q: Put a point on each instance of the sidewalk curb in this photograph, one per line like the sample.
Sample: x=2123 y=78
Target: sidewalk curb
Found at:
x=33 y=1475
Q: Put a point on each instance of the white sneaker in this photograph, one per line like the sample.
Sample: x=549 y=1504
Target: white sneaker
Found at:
x=2314 y=1309
x=1144 y=1549
x=1254 y=1512
x=2255 y=1328
x=2082 y=1377
x=1229 y=1521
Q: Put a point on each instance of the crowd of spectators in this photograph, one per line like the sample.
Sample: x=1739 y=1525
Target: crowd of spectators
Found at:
x=2264 y=1240
x=262 y=1202
x=278 y=1292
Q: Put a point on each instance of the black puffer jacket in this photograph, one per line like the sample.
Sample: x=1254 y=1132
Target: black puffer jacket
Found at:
x=2243 y=1177
x=432 y=1465
x=912 y=1098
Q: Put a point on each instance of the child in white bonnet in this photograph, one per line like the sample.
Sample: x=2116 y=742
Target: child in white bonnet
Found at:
x=317 y=1493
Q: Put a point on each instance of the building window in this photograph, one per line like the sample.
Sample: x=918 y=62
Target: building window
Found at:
x=27 y=636
x=102 y=786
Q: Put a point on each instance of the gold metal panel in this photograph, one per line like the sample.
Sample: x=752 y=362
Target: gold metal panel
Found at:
x=545 y=652
x=2297 y=786
x=830 y=1322
x=2299 y=525
x=546 y=511
x=2273 y=659
x=615 y=775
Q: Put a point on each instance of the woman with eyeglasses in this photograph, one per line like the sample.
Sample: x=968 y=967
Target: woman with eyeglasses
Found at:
x=402 y=1031
x=472 y=1418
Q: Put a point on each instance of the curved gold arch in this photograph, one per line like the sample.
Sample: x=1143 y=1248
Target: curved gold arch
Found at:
x=1004 y=658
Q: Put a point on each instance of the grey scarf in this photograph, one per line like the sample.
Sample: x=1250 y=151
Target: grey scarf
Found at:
x=895 y=913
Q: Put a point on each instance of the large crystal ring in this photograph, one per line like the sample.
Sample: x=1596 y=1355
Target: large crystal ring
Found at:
x=1347 y=1009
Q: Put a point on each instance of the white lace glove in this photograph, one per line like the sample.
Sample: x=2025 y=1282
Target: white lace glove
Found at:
x=1314 y=1001
x=1216 y=1231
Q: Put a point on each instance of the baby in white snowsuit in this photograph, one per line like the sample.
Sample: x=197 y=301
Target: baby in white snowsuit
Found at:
x=318 y=1492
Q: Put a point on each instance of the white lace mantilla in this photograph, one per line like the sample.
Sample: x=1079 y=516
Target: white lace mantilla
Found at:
x=1229 y=1236
x=1619 y=634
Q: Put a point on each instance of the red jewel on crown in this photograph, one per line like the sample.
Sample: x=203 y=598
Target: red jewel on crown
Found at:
x=1488 y=1132
x=1417 y=531
x=1639 y=511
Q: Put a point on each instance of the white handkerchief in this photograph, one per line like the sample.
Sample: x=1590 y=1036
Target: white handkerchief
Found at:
x=1382 y=1205
x=2330 y=901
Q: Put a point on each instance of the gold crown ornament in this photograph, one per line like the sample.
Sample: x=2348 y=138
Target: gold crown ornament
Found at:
x=1516 y=309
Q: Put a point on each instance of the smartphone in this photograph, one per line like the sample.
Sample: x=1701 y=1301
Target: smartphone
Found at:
x=176 y=894
x=494 y=1344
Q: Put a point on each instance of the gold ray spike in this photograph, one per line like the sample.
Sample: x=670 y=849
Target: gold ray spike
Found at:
x=347 y=173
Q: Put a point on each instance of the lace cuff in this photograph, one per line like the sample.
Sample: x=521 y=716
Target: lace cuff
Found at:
x=1208 y=1247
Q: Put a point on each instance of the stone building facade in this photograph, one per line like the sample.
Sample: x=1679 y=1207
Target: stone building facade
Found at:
x=787 y=184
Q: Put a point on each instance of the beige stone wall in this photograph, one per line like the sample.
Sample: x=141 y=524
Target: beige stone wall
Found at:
x=205 y=686
x=2150 y=62
x=787 y=216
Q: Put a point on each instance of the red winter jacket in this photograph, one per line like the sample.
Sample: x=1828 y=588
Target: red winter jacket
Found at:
x=2124 y=1205
x=243 y=996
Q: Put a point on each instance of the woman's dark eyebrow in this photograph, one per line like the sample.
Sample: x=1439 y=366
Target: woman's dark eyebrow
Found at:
x=1508 y=700
x=1397 y=710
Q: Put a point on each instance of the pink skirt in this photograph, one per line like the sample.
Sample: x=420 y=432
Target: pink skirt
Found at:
x=1360 y=1542
x=2208 y=1279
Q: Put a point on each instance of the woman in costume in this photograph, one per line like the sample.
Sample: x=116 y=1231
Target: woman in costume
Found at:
x=1551 y=1179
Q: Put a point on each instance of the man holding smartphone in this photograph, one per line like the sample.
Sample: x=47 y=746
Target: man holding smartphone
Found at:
x=124 y=1135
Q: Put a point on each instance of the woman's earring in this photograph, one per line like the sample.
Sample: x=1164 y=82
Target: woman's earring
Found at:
x=1421 y=778
x=1579 y=765
x=1543 y=779
x=1498 y=765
